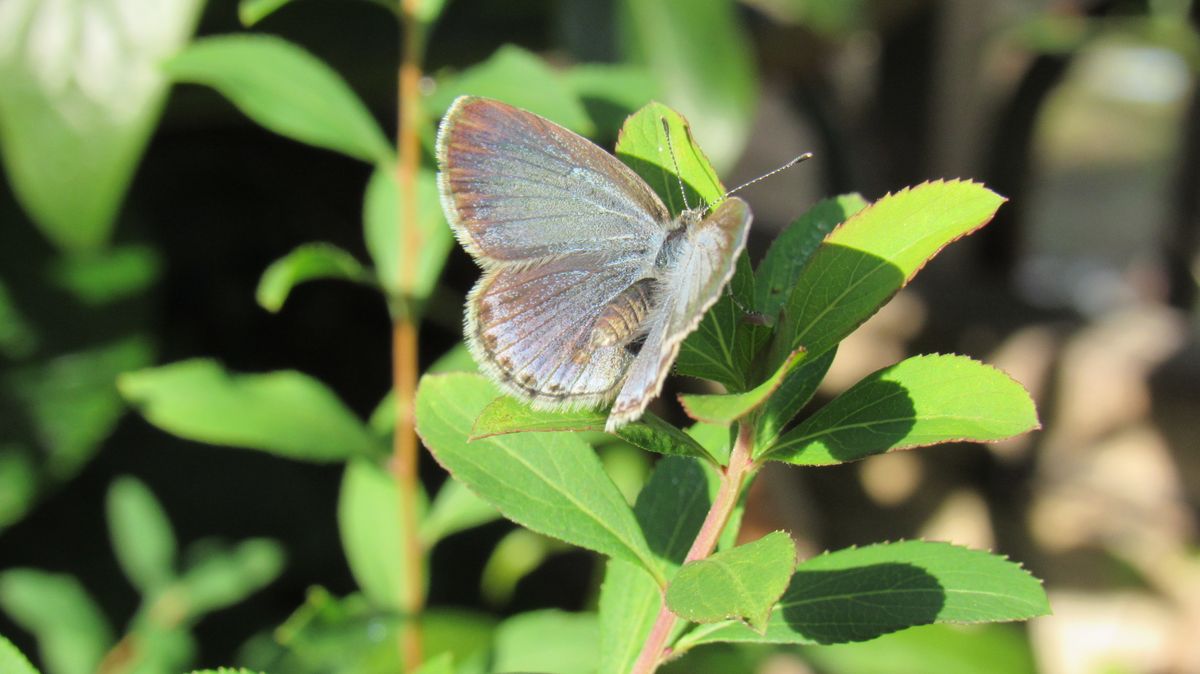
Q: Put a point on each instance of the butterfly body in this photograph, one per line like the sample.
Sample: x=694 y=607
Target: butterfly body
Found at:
x=589 y=284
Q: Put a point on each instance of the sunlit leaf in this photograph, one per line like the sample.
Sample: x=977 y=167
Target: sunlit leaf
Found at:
x=455 y=509
x=80 y=93
x=286 y=90
x=372 y=532
x=506 y=415
x=72 y=632
x=226 y=577
x=729 y=407
x=142 y=538
x=793 y=394
x=306 y=263
x=519 y=78
x=286 y=413
x=551 y=483
x=924 y=400
x=700 y=56
x=740 y=583
x=932 y=649
x=547 y=641
x=13 y=661
x=858 y=594
x=872 y=255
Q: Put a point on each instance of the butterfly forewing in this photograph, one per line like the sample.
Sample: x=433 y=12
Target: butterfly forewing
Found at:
x=703 y=264
x=517 y=187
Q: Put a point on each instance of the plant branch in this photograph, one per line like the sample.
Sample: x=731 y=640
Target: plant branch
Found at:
x=655 y=651
x=405 y=446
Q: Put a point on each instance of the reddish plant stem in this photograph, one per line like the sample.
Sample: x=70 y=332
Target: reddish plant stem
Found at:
x=405 y=367
x=654 y=651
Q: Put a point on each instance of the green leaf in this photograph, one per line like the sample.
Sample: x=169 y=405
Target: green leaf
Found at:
x=506 y=415
x=872 y=255
x=306 y=263
x=742 y=582
x=728 y=408
x=455 y=509
x=611 y=92
x=547 y=641
x=227 y=577
x=286 y=90
x=793 y=394
x=286 y=413
x=519 y=553
x=372 y=532
x=670 y=509
x=442 y=664
x=251 y=12
x=107 y=276
x=857 y=594
x=795 y=245
x=71 y=630
x=142 y=538
x=18 y=483
x=226 y=670
x=79 y=97
x=71 y=400
x=430 y=242
x=932 y=649
x=518 y=78
x=707 y=74
x=457 y=359
x=925 y=400
x=12 y=661
x=427 y=11
x=551 y=483
x=643 y=147
x=160 y=648
x=724 y=345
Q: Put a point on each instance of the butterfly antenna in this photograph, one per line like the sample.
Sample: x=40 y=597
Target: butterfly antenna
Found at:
x=678 y=175
x=797 y=160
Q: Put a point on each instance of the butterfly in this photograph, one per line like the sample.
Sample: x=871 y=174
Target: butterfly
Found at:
x=590 y=285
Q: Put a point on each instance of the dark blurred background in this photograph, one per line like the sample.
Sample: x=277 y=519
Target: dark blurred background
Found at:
x=1085 y=114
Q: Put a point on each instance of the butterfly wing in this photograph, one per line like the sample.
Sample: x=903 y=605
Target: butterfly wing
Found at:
x=517 y=187
x=536 y=329
x=691 y=285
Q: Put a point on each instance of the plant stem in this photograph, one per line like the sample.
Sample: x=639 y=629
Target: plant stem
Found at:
x=655 y=651
x=405 y=447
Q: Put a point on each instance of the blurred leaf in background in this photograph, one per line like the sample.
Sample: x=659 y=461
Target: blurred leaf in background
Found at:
x=80 y=93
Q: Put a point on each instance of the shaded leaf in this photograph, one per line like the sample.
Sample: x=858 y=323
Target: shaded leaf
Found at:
x=724 y=345
x=286 y=413
x=285 y=89
x=860 y=593
x=72 y=632
x=109 y=275
x=743 y=582
x=519 y=78
x=251 y=12
x=455 y=509
x=18 y=339
x=80 y=93
x=506 y=415
x=872 y=255
x=924 y=400
x=670 y=509
x=372 y=532
x=382 y=230
x=227 y=577
x=71 y=399
x=707 y=74
x=795 y=245
x=306 y=263
x=551 y=483
x=547 y=641
x=727 y=408
x=793 y=394
x=611 y=92
x=142 y=538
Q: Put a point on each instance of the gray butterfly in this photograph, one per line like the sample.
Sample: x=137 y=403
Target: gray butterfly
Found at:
x=589 y=284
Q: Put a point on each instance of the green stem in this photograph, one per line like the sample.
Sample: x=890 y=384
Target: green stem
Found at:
x=655 y=650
